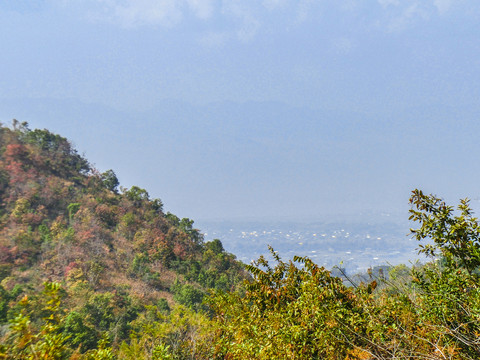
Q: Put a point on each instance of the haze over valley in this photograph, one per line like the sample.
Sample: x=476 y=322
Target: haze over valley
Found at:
x=239 y=179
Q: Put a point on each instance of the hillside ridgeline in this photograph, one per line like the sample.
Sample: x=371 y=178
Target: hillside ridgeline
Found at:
x=113 y=250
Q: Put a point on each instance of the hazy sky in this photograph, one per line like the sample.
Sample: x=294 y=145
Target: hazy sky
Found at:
x=273 y=108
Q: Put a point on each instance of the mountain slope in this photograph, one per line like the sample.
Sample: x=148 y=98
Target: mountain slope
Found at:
x=63 y=221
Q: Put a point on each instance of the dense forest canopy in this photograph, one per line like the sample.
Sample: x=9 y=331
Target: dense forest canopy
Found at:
x=92 y=270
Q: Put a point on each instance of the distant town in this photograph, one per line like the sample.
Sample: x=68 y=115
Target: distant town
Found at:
x=353 y=246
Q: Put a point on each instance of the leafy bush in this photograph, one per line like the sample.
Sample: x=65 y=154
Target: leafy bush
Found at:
x=187 y=295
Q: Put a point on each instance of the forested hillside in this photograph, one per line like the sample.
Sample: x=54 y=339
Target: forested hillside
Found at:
x=91 y=270
x=113 y=250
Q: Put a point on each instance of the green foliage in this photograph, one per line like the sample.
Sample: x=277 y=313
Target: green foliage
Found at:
x=187 y=295
x=185 y=225
x=136 y=195
x=79 y=334
x=5 y=298
x=44 y=340
x=3 y=180
x=215 y=245
x=103 y=352
x=44 y=233
x=139 y=265
x=62 y=157
x=44 y=139
x=110 y=180
x=448 y=287
x=22 y=207
x=180 y=334
x=172 y=218
x=99 y=311
x=456 y=237
x=162 y=305
x=72 y=209
x=157 y=205
x=287 y=312
x=217 y=269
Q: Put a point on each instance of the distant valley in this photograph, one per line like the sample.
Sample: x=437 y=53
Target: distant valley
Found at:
x=354 y=245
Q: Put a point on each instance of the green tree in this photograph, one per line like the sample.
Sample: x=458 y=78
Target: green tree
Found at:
x=110 y=180
x=448 y=288
x=455 y=237
x=215 y=245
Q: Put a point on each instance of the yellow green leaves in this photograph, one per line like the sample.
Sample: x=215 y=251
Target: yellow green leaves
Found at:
x=43 y=340
x=454 y=235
